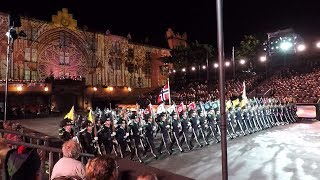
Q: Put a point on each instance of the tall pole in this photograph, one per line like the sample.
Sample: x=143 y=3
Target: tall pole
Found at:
x=169 y=92
x=224 y=157
x=10 y=41
x=233 y=63
x=208 y=84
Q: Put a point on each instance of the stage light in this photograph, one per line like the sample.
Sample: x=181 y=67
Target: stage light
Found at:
x=216 y=65
x=95 y=89
x=318 y=44
x=227 y=63
x=46 y=89
x=242 y=61
x=263 y=58
x=193 y=68
x=301 y=47
x=204 y=67
x=285 y=46
x=110 y=88
x=174 y=71
x=129 y=89
x=183 y=69
x=19 y=88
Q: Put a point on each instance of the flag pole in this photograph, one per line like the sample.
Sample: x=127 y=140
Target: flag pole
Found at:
x=169 y=92
x=224 y=153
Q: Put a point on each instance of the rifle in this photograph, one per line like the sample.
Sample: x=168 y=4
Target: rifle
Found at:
x=96 y=144
x=154 y=123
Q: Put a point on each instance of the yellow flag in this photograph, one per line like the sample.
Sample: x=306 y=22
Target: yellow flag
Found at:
x=70 y=114
x=236 y=102
x=243 y=102
x=228 y=104
x=90 y=117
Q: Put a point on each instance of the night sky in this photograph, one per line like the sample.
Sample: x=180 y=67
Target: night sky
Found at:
x=197 y=17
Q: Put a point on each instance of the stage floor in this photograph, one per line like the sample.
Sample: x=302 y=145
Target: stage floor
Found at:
x=285 y=152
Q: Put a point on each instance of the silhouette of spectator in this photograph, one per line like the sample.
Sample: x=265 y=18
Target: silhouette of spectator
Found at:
x=102 y=168
x=22 y=163
x=147 y=176
x=68 y=165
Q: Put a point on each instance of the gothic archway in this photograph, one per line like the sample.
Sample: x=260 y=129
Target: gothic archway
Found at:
x=61 y=52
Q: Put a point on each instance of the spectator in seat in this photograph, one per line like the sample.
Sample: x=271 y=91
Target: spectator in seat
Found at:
x=22 y=163
x=147 y=176
x=102 y=168
x=68 y=178
x=68 y=165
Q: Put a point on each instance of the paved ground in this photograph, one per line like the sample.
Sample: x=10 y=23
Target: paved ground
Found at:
x=288 y=152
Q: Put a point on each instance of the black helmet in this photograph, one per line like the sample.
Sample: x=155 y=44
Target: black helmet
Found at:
x=86 y=123
x=66 y=122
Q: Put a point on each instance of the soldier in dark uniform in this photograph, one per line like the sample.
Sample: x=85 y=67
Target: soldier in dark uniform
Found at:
x=87 y=138
x=135 y=132
x=194 y=125
x=239 y=120
x=105 y=136
x=149 y=133
x=212 y=130
x=66 y=132
x=78 y=123
x=122 y=137
x=164 y=134
x=176 y=128
x=185 y=124
x=202 y=126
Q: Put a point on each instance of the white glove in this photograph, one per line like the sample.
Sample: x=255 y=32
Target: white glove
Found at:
x=127 y=134
x=115 y=125
x=113 y=134
x=154 y=128
x=168 y=126
x=206 y=126
x=198 y=122
x=189 y=123
x=95 y=138
x=179 y=125
x=129 y=122
x=140 y=129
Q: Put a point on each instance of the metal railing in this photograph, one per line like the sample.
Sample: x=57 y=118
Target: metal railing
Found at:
x=49 y=155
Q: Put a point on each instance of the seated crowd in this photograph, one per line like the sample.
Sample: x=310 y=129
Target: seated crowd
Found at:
x=196 y=91
x=301 y=86
x=24 y=163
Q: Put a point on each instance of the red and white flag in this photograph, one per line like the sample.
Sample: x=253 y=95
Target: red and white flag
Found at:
x=181 y=108
x=192 y=106
x=164 y=94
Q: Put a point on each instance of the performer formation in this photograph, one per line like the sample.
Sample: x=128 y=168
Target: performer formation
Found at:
x=143 y=134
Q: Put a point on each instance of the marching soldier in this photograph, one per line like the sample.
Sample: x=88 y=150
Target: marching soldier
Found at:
x=238 y=119
x=135 y=130
x=122 y=137
x=211 y=126
x=194 y=125
x=87 y=138
x=176 y=128
x=105 y=135
x=149 y=133
x=202 y=126
x=185 y=124
x=164 y=134
x=66 y=132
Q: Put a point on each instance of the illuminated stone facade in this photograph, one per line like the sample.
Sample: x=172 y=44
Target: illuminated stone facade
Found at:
x=60 y=50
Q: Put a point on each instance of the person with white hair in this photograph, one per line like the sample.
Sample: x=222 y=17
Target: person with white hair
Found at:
x=68 y=165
